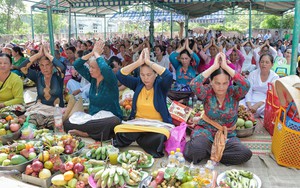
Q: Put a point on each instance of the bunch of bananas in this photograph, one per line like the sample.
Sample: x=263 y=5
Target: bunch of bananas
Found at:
x=133 y=158
x=99 y=153
x=117 y=176
x=240 y=179
x=39 y=133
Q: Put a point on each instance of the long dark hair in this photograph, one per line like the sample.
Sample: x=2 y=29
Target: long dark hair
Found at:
x=217 y=72
x=18 y=50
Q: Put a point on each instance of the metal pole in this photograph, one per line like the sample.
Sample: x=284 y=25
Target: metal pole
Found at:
x=171 y=25
x=50 y=26
x=151 y=25
x=76 y=34
x=281 y=25
x=250 y=20
x=104 y=28
x=296 y=32
x=32 y=26
x=70 y=24
x=186 y=25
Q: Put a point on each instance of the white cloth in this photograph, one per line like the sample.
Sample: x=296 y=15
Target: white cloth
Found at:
x=80 y=118
x=247 y=65
x=149 y=122
x=165 y=62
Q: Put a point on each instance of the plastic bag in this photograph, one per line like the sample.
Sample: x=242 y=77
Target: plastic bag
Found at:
x=177 y=138
x=28 y=130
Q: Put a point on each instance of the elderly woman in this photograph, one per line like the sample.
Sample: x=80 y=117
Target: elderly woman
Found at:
x=11 y=86
x=103 y=95
x=221 y=101
x=259 y=79
x=149 y=102
x=49 y=81
x=184 y=70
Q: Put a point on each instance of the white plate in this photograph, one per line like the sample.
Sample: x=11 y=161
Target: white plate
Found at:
x=222 y=176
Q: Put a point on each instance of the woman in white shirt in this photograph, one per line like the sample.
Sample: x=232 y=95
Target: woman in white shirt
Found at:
x=247 y=51
x=259 y=79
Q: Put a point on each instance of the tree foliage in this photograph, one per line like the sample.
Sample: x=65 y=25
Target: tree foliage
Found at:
x=41 y=22
x=10 y=11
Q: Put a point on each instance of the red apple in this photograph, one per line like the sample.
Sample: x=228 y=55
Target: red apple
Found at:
x=14 y=127
x=28 y=170
x=37 y=166
x=62 y=168
x=69 y=149
x=78 y=167
x=25 y=153
x=80 y=184
x=35 y=174
x=69 y=165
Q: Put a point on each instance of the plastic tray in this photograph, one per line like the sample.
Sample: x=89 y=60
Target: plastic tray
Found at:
x=21 y=167
x=45 y=183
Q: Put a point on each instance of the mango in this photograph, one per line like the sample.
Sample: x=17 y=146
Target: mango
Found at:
x=18 y=159
x=59 y=180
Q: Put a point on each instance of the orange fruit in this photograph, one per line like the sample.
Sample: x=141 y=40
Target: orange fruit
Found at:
x=9 y=117
x=68 y=175
x=128 y=107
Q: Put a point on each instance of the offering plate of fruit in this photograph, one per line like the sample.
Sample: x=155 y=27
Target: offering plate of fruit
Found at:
x=246 y=122
x=238 y=178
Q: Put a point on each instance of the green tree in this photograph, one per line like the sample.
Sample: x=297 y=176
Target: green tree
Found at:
x=41 y=23
x=10 y=10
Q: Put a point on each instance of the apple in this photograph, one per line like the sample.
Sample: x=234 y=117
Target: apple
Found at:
x=78 y=167
x=25 y=153
x=62 y=168
x=37 y=166
x=80 y=184
x=69 y=165
x=28 y=170
x=3 y=121
x=32 y=155
x=14 y=127
x=69 y=149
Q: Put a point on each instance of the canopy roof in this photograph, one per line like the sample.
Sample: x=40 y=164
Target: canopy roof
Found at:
x=194 y=8
x=167 y=16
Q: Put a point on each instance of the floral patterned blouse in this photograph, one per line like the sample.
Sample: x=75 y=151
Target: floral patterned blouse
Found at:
x=225 y=114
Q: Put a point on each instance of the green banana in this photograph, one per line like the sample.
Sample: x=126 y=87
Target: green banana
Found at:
x=121 y=181
x=99 y=174
x=116 y=179
x=110 y=181
x=98 y=150
x=104 y=182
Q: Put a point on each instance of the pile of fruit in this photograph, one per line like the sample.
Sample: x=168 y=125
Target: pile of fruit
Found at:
x=40 y=133
x=133 y=159
x=9 y=125
x=98 y=153
x=73 y=174
x=126 y=106
x=246 y=119
x=17 y=153
x=117 y=177
x=66 y=144
x=239 y=178
x=44 y=166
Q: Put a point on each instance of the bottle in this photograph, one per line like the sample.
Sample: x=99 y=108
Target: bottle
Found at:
x=193 y=170
x=171 y=160
x=195 y=99
x=178 y=153
x=190 y=103
x=58 y=122
x=181 y=162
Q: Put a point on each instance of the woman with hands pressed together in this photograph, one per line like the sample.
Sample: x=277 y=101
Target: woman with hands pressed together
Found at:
x=49 y=82
x=184 y=70
x=103 y=95
x=221 y=102
x=149 y=102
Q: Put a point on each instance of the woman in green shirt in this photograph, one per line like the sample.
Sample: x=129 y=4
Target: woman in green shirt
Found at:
x=18 y=58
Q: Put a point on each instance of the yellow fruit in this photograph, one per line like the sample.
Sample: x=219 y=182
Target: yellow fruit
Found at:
x=2 y=132
x=48 y=165
x=68 y=175
x=59 y=180
x=44 y=156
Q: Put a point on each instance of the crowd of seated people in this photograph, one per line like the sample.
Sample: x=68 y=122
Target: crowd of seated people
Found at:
x=99 y=71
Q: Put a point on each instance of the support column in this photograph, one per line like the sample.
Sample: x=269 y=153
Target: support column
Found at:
x=32 y=25
x=70 y=24
x=50 y=27
x=76 y=34
x=296 y=32
x=186 y=25
x=250 y=20
x=105 y=28
x=151 y=25
x=171 y=25
x=280 y=30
